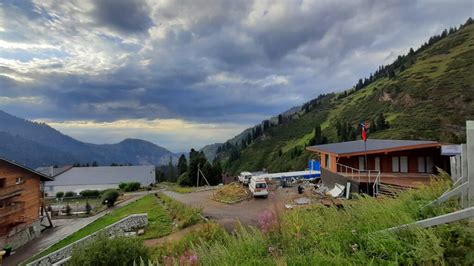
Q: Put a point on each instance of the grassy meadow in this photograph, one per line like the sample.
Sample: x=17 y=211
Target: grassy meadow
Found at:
x=318 y=235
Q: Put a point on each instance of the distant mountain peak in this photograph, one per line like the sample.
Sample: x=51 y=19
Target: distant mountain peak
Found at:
x=39 y=142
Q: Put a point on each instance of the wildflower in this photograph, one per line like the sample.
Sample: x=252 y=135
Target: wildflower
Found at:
x=355 y=247
x=266 y=221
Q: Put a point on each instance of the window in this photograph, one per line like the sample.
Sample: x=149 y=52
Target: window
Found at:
x=377 y=163
x=361 y=163
x=395 y=165
x=3 y=182
x=261 y=185
x=403 y=164
x=421 y=165
x=327 y=160
x=19 y=180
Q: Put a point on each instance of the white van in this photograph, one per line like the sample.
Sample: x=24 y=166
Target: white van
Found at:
x=258 y=187
x=244 y=177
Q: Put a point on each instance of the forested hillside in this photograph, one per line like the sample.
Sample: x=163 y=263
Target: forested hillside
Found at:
x=426 y=94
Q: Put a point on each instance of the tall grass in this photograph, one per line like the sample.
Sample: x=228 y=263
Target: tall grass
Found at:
x=184 y=215
x=355 y=234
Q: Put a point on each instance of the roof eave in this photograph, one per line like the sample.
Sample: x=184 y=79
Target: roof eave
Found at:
x=402 y=148
x=42 y=176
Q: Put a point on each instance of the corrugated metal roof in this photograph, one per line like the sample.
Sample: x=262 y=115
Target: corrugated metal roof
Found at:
x=145 y=174
x=52 y=171
x=372 y=145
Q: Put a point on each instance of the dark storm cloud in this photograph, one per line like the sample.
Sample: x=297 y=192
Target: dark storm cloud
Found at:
x=126 y=16
x=206 y=61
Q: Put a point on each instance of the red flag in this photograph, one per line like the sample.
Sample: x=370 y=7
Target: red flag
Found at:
x=364 y=131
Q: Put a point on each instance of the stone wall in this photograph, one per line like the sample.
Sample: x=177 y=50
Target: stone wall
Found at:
x=21 y=235
x=120 y=228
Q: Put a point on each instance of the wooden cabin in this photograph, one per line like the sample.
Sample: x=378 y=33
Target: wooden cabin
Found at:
x=21 y=198
x=399 y=162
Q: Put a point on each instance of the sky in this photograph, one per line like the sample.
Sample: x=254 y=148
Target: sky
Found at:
x=185 y=74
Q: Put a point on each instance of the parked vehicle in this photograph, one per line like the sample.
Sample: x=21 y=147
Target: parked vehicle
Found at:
x=258 y=187
x=245 y=177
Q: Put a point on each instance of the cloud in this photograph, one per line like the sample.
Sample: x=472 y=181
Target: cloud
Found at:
x=199 y=61
x=125 y=16
x=179 y=135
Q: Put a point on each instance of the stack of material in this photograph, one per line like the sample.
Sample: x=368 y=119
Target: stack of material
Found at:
x=231 y=193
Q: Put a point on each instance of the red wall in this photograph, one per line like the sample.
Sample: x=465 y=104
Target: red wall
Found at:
x=386 y=159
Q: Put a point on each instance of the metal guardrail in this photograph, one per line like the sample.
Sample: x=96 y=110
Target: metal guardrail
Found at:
x=375 y=187
x=356 y=174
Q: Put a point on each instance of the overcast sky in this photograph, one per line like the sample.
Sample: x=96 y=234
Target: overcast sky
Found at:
x=184 y=74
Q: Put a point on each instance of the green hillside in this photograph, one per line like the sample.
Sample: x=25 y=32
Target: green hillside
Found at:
x=426 y=94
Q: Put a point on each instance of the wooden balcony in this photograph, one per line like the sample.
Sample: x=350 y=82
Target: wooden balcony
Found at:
x=14 y=207
x=10 y=191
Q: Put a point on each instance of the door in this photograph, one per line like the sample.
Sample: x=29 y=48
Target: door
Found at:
x=429 y=164
x=403 y=164
x=377 y=163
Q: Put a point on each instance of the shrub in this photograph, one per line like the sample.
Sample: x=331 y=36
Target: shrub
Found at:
x=70 y=194
x=130 y=186
x=68 y=210
x=105 y=251
x=60 y=194
x=183 y=180
x=88 y=208
x=109 y=197
x=90 y=193
x=122 y=185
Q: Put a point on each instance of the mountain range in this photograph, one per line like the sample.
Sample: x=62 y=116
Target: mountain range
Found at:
x=37 y=144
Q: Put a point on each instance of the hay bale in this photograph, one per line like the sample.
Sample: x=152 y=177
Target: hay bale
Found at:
x=231 y=193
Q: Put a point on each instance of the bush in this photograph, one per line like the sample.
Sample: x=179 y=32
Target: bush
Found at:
x=129 y=187
x=88 y=208
x=105 y=251
x=90 y=193
x=70 y=194
x=68 y=210
x=183 y=180
x=109 y=197
x=122 y=185
x=132 y=186
x=60 y=194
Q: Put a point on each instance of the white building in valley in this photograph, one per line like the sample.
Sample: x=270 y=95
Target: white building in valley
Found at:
x=77 y=179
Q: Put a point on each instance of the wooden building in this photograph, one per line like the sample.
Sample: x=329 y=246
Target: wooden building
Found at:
x=399 y=162
x=21 y=198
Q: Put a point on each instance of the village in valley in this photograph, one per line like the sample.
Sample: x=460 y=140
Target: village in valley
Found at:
x=380 y=173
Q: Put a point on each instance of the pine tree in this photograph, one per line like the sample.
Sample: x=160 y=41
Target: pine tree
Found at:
x=182 y=164
x=380 y=122
x=317 y=135
x=280 y=119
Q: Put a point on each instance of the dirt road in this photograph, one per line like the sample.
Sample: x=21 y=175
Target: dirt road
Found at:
x=246 y=212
